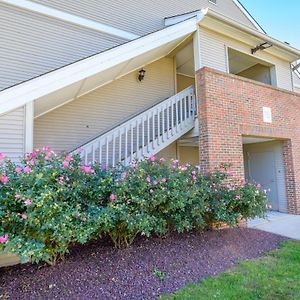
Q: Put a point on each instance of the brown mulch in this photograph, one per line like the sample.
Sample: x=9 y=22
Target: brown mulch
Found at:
x=149 y=268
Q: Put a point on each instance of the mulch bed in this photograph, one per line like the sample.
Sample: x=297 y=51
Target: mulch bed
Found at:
x=99 y=271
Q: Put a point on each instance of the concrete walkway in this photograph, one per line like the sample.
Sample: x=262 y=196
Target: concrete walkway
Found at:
x=278 y=223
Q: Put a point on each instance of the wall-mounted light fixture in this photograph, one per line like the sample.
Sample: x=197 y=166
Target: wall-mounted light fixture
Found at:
x=141 y=74
x=262 y=46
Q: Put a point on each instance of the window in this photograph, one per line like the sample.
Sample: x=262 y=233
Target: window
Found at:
x=213 y=1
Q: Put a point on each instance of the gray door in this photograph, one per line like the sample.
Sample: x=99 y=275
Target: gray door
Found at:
x=262 y=170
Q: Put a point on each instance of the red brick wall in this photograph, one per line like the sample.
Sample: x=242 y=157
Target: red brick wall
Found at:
x=230 y=107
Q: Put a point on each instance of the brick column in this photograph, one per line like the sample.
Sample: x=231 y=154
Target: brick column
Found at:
x=219 y=138
x=230 y=107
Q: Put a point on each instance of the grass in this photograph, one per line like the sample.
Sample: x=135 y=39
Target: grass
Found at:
x=274 y=276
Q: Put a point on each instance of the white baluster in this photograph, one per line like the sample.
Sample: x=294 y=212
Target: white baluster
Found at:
x=153 y=130
x=100 y=151
x=107 y=152
x=131 y=142
x=114 y=150
x=158 y=126
x=137 y=139
x=148 y=133
x=120 y=145
x=126 y=146
x=143 y=135
x=177 y=114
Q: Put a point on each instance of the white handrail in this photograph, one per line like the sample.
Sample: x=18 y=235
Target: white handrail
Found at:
x=145 y=134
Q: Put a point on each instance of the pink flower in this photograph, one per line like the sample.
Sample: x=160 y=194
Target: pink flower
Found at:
x=17 y=196
x=31 y=155
x=4 y=179
x=24 y=217
x=69 y=158
x=162 y=159
x=47 y=157
x=152 y=158
x=194 y=177
x=194 y=172
x=3 y=239
x=148 y=179
x=1 y=156
x=27 y=169
x=103 y=168
x=164 y=180
x=175 y=161
x=31 y=162
x=87 y=169
x=238 y=197
x=155 y=182
x=66 y=164
x=258 y=186
x=27 y=202
x=112 y=197
x=151 y=191
x=18 y=169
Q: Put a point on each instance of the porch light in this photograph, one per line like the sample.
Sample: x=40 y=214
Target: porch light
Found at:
x=141 y=74
x=262 y=46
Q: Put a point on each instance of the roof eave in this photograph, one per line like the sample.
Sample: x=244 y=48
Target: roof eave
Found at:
x=291 y=54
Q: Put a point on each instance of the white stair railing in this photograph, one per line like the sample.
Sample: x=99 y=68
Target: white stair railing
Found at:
x=145 y=134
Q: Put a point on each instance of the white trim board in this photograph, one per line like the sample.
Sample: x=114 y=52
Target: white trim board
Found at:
x=54 y=13
x=38 y=87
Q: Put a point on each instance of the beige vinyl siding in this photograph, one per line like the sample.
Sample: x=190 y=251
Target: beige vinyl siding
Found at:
x=276 y=148
x=189 y=155
x=168 y=153
x=214 y=55
x=12 y=133
x=141 y=16
x=258 y=72
x=96 y=112
x=183 y=82
x=33 y=44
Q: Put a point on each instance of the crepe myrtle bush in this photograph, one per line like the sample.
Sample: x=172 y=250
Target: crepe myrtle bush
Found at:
x=50 y=201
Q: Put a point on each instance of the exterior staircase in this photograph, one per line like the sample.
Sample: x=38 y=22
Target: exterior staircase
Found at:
x=144 y=134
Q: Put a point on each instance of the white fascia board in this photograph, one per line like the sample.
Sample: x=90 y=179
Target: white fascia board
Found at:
x=246 y=13
x=23 y=93
x=237 y=25
x=54 y=13
x=180 y=18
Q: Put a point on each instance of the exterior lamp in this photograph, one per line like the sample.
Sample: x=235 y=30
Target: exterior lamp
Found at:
x=262 y=46
x=141 y=74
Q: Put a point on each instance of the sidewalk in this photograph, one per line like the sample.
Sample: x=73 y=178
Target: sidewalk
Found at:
x=278 y=223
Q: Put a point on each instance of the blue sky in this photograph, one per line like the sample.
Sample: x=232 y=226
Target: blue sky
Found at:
x=280 y=19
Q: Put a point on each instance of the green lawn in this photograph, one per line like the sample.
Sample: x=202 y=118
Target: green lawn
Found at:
x=274 y=276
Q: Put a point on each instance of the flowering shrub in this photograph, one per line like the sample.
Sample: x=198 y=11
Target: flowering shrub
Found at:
x=50 y=201
x=46 y=205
